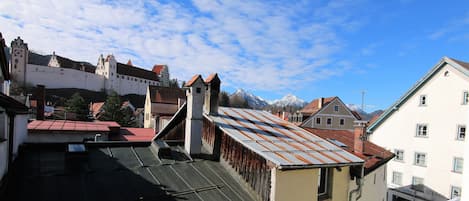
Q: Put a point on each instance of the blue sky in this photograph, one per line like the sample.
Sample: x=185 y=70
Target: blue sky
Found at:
x=271 y=48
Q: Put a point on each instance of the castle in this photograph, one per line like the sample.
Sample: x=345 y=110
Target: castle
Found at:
x=53 y=71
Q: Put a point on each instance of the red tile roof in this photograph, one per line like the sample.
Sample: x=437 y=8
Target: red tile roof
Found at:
x=357 y=116
x=171 y=95
x=136 y=134
x=124 y=69
x=211 y=77
x=373 y=154
x=96 y=108
x=158 y=68
x=193 y=79
x=64 y=125
x=312 y=107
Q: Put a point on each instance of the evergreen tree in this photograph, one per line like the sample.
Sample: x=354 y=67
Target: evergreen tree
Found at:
x=77 y=105
x=224 y=99
x=128 y=118
x=173 y=83
x=112 y=108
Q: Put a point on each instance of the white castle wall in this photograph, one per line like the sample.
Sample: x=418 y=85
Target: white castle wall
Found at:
x=132 y=85
x=53 y=77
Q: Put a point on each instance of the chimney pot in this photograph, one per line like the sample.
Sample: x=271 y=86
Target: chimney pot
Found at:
x=211 y=94
x=320 y=102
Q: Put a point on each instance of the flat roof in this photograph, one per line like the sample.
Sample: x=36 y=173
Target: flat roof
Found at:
x=66 y=125
x=280 y=141
x=129 y=171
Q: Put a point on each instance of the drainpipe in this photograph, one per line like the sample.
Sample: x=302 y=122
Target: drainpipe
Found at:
x=11 y=137
x=358 y=190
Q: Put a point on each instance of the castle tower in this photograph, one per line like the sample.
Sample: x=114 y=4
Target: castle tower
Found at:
x=163 y=74
x=18 y=62
x=108 y=69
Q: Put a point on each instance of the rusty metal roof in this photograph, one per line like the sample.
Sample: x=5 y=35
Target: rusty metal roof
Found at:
x=279 y=141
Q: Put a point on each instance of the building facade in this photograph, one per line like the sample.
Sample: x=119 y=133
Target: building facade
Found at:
x=58 y=72
x=328 y=113
x=161 y=103
x=426 y=129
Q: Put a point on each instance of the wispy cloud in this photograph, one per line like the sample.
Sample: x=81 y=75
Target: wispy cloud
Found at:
x=252 y=45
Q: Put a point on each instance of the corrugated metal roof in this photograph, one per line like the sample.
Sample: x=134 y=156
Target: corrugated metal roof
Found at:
x=279 y=141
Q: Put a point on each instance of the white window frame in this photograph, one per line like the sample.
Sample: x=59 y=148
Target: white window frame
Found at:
x=324 y=181
x=421 y=130
x=336 y=108
x=397 y=178
x=458 y=163
x=461 y=133
x=465 y=98
x=455 y=189
x=423 y=100
x=316 y=120
x=417 y=180
x=417 y=159
x=397 y=158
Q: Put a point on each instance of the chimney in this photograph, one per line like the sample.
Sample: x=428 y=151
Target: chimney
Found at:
x=195 y=90
x=359 y=129
x=320 y=102
x=41 y=93
x=211 y=95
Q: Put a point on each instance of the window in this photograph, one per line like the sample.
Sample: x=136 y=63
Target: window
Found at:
x=455 y=192
x=423 y=100
x=420 y=159
x=323 y=183
x=397 y=178
x=318 y=120
x=417 y=180
x=421 y=130
x=417 y=184
x=342 y=122
x=3 y=119
x=465 y=98
x=117 y=76
x=461 y=135
x=458 y=164
x=399 y=155
x=329 y=121
x=336 y=108
x=198 y=90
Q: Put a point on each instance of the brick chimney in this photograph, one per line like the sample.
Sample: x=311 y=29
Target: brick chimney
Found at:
x=195 y=92
x=211 y=95
x=320 y=102
x=41 y=96
x=359 y=129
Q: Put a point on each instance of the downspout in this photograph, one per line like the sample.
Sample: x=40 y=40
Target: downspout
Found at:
x=358 y=190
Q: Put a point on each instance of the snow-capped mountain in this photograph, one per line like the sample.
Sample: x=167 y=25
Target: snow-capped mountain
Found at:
x=288 y=100
x=253 y=101
x=365 y=115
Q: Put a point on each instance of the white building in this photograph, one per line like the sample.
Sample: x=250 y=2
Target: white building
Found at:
x=58 y=72
x=13 y=120
x=426 y=130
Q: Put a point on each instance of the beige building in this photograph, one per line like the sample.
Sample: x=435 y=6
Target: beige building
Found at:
x=328 y=113
x=373 y=186
x=426 y=129
x=160 y=105
x=273 y=158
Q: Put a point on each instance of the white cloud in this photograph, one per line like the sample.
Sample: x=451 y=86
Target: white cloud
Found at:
x=252 y=45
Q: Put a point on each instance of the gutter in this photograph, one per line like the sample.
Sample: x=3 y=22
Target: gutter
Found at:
x=297 y=167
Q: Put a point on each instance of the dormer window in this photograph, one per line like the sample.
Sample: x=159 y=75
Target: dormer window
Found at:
x=423 y=100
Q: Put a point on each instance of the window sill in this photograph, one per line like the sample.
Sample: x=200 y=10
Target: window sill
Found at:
x=457 y=172
x=420 y=165
x=400 y=161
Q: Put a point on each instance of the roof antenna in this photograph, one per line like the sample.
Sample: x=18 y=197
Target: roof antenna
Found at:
x=363 y=100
